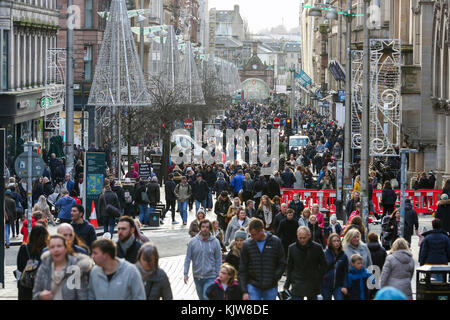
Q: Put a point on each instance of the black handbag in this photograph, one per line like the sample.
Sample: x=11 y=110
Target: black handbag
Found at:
x=111 y=210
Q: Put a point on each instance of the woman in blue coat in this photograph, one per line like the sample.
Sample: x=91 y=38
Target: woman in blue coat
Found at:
x=335 y=280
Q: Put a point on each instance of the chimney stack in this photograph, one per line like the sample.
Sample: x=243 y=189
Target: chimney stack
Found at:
x=255 y=48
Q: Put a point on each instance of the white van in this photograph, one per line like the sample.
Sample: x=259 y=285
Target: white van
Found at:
x=298 y=142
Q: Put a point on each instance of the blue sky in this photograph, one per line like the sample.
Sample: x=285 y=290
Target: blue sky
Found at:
x=262 y=14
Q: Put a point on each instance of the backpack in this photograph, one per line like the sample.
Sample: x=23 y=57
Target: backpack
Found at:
x=29 y=272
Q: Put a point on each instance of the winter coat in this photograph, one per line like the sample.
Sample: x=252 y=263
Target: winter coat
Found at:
x=169 y=189
x=316 y=233
x=194 y=228
x=337 y=270
x=183 y=192
x=260 y=215
x=357 y=284
x=234 y=226
x=65 y=205
x=261 y=269
x=209 y=177
x=220 y=185
x=153 y=193
x=138 y=189
x=273 y=189
x=388 y=197
x=377 y=254
x=443 y=213
x=328 y=230
x=411 y=220
x=276 y=222
x=126 y=284
x=287 y=232
x=10 y=208
x=435 y=248
x=221 y=207
x=158 y=286
x=398 y=271
x=131 y=254
x=232 y=258
x=206 y=257
x=109 y=197
x=298 y=208
x=200 y=190
x=362 y=250
x=288 y=179
x=43 y=279
x=306 y=267
x=85 y=231
x=300 y=182
x=237 y=182
x=216 y=292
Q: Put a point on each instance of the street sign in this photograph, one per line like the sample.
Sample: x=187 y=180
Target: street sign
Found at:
x=94 y=172
x=145 y=170
x=21 y=165
x=46 y=102
x=187 y=124
x=276 y=123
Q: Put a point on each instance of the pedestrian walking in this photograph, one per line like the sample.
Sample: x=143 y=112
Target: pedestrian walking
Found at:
x=10 y=215
x=356 y=223
x=390 y=227
x=127 y=246
x=306 y=266
x=200 y=192
x=388 y=198
x=287 y=230
x=83 y=229
x=398 y=269
x=220 y=185
x=73 y=241
x=29 y=258
x=234 y=255
x=194 y=227
x=353 y=245
x=225 y=287
x=64 y=206
x=266 y=212
x=239 y=221
x=113 y=278
x=411 y=221
x=237 y=182
x=262 y=263
x=108 y=198
x=297 y=205
x=218 y=233
x=357 y=279
x=183 y=192
x=169 y=189
x=154 y=194
x=156 y=282
x=280 y=216
x=53 y=276
x=206 y=257
x=377 y=252
x=142 y=201
x=43 y=207
x=304 y=219
x=435 y=248
x=334 y=283
x=333 y=227
x=443 y=211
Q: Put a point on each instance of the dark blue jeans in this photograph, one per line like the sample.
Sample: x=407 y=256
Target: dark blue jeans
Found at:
x=109 y=223
x=336 y=293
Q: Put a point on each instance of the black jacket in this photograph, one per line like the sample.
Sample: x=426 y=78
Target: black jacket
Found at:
x=297 y=207
x=216 y=292
x=138 y=188
x=131 y=254
x=337 y=270
x=443 y=213
x=221 y=207
x=388 y=197
x=153 y=193
x=120 y=194
x=306 y=267
x=158 y=286
x=260 y=215
x=377 y=253
x=435 y=248
x=10 y=208
x=200 y=190
x=411 y=220
x=169 y=189
x=85 y=231
x=287 y=232
x=316 y=233
x=110 y=198
x=288 y=179
x=209 y=177
x=261 y=269
x=233 y=260
x=220 y=185
x=276 y=222
x=273 y=189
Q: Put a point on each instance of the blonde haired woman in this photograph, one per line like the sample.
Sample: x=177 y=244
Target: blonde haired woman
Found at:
x=398 y=268
x=43 y=207
x=353 y=245
x=357 y=184
x=266 y=212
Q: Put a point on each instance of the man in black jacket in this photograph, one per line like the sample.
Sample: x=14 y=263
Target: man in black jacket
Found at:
x=210 y=177
x=154 y=194
x=83 y=229
x=169 y=190
x=200 y=191
x=127 y=246
x=443 y=212
x=10 y=215
x=108 y=197
x=306 y=266
x=262 y=264
x=297 y=205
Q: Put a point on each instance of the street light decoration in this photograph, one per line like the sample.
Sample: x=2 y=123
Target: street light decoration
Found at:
x=118 y=79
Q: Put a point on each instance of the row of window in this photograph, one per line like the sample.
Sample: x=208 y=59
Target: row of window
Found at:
x=50 y=4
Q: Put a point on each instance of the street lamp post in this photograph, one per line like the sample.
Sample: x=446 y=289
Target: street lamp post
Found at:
x=69 y=92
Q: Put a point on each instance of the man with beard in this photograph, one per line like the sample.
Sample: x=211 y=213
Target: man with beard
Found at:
x=127 y=246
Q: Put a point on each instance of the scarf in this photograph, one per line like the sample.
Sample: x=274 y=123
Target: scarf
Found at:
x=144 y=273
x=267 y=215
x=127 y=244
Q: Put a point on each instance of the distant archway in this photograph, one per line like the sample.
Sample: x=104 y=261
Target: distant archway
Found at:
x=255 y=89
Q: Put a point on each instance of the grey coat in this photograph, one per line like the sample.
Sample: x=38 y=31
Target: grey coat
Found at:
x=398 y=271
x=234 y=226
x=300 y=183
x=206 y=257
x=362 y=250
x=158 y=286
x=69 y=289
x=183 y=192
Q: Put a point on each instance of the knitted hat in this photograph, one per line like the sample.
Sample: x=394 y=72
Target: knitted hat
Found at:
x=240 y=234
x=333 y=217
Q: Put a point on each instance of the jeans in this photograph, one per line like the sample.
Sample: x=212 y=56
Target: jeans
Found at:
x=201 y=285
x=197 y=205
x=109 y=222
x=258 y=294
x=336 y=293
x=7 y=226
x=209 y=204
x=183 y=209
x=144 y=214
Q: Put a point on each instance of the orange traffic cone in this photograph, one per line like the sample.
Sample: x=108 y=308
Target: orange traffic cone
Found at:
x=93 y=217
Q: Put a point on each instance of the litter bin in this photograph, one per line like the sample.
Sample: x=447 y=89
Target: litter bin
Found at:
x=157 y=170
x=433 y=282
x=154 y=217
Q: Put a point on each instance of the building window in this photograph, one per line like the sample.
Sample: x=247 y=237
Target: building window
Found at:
x=88 y=8
x=87 y=63
x=5 y=59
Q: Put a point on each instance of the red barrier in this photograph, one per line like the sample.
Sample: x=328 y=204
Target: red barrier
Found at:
x=423 y=201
